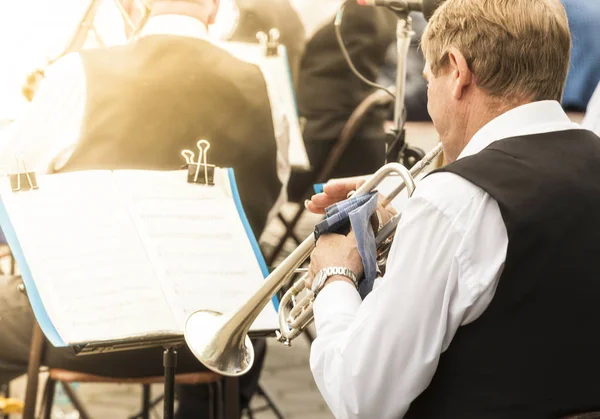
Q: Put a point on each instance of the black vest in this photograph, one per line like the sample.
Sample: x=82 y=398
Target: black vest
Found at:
x=535 y=352
x=149 y=100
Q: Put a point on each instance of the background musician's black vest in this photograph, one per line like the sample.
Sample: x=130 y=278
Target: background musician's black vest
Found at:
x=328 y=91
x=149 y=100
x=535 y=352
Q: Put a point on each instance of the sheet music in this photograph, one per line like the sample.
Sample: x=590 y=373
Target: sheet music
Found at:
x=196 y=242
x=280 y=89
x=87 y=260
x=128 y=253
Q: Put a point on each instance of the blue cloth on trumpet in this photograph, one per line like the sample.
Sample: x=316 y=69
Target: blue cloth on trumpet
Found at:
x=355 y=212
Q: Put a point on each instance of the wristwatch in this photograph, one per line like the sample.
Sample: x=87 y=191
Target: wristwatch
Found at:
x=322 y=276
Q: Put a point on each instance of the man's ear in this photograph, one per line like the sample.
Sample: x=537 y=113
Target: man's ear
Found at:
x=460 y=72
x=213 y=15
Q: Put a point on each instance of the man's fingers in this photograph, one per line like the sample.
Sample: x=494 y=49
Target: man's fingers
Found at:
x=360 y=182
x=334 y=191
x=313 y=208
x=339 y=188
x=351 y=235
x=323 y=200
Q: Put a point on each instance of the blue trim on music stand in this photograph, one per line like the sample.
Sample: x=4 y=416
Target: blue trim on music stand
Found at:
x=259 y=256
x=289 y=71
x=32 y=292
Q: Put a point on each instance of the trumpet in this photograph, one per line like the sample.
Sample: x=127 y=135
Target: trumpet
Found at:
x=221 y=342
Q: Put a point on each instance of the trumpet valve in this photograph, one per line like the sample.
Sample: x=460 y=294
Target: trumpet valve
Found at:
x=300 y=306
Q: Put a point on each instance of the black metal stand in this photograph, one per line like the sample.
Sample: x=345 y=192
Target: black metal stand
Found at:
x=35 y=361
x=146 y=401
x=397 y=149
x=170 y=364
x=232 y=398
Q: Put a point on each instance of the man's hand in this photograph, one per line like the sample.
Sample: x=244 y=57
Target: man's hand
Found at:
x=337 y=190
x=382 y=215
x=334 y=191
x=335 y=250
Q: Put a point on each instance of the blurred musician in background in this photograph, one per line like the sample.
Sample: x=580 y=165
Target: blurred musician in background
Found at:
x=415 y=94
x=591 y=120
x=136 y=106
x=328 y=92
x=262 y=15
x=488 y=307
x=584 y=70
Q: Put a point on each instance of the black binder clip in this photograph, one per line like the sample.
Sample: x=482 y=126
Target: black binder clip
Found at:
x=269 y=42
x=199 y=171
x=24 y=180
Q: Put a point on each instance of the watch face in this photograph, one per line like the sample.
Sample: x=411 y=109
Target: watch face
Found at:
x=317 y=280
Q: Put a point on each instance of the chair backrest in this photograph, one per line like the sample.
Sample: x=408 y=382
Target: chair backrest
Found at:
x=375 y=99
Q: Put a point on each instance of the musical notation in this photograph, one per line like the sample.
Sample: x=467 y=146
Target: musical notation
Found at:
x=220 y=281
x=127 y=253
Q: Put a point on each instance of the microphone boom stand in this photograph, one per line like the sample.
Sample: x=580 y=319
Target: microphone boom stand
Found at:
x=398 y=150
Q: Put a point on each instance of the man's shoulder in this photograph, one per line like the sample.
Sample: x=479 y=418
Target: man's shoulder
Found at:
x=66 y=66
x=449 y=193
x=198 y=55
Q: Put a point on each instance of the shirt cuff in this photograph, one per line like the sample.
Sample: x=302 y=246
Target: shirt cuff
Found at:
x=337 y=303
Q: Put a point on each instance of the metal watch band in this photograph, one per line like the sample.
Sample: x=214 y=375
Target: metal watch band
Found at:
x=326 y=273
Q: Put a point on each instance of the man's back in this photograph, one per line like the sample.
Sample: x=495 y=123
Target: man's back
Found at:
x=533 y=351
x=149 y=100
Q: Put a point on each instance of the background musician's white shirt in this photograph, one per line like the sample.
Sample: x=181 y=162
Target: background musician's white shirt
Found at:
x=51 y=125
x=372 y=359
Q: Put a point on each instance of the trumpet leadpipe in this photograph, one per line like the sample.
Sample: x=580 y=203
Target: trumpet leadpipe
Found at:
x=414 y=172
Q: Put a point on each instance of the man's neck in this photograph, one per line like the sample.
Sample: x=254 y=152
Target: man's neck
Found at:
x=483 y=111
x=184 y=8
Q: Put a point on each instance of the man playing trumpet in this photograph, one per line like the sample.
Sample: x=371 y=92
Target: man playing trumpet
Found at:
x=487 y=307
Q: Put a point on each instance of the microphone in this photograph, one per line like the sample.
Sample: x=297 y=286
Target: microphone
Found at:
x=427 y=7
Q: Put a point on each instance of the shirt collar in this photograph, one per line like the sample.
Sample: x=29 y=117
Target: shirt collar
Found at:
x=532 y=118
x=175 y=25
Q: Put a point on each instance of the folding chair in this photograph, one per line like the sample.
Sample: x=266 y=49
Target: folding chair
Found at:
x=65 y=378
x=218 y=389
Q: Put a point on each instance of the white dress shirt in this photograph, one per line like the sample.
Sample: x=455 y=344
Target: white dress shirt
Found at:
x=51 y=125
x=371 y=359
x=591 y=120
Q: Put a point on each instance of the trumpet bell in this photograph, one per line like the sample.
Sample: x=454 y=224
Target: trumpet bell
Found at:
x=204 y=336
